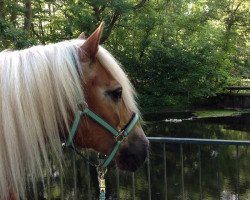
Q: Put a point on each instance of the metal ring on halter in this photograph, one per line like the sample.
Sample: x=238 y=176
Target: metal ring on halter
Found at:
x=120 y=137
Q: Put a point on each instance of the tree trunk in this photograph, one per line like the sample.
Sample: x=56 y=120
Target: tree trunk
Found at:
x=113 y=18
x=27 y=16
x=2 y=13
x=229 y=23
x=110 y=26
x=13 y=15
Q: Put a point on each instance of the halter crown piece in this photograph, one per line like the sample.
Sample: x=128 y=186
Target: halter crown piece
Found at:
x=119 y=136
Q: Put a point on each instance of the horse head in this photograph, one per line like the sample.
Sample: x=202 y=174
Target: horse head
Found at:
x=110 y=95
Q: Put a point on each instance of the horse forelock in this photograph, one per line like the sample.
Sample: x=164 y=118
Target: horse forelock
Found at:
x=38 y=86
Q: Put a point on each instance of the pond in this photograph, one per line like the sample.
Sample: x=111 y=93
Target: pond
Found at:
x=191 y=172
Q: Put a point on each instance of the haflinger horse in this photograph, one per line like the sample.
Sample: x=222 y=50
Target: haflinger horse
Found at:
x=42 y=89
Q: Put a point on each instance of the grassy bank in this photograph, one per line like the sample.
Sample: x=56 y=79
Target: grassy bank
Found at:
x=220 y=113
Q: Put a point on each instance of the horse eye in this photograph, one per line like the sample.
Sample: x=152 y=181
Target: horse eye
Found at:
x=115 y=94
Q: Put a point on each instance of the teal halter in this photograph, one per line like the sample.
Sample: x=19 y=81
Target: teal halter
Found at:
x=118 y=135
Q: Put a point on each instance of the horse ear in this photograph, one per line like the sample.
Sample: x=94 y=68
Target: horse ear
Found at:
x=82 y=36
x=90 y=46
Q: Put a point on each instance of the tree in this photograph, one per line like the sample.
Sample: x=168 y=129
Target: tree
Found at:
x=176 y=52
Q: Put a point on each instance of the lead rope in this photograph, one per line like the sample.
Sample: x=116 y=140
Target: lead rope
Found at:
x=102 y=185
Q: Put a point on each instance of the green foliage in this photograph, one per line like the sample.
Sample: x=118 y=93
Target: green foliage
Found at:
x=176 y=52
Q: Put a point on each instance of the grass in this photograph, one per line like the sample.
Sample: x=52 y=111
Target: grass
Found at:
x=220 y=113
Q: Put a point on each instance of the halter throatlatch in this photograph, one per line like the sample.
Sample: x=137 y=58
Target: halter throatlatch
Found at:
x=119 y=135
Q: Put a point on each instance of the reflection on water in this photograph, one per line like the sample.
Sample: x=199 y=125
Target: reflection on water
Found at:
x=208 y=172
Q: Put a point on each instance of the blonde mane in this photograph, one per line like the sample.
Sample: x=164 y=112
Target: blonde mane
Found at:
x=38 y=86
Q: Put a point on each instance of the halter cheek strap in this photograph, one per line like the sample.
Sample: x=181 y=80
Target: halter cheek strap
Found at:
x=118 y=135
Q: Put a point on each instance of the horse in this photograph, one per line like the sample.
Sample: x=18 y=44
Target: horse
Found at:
x=42 y=88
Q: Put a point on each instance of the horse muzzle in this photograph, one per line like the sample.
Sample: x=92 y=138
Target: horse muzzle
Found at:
x=133 y=152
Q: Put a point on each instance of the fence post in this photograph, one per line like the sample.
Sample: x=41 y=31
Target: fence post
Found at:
x=165 y=171
x=74 y=176
x=149 y=179
x=117 y=182
x=182 y=173
x=133 y=185
x=200 y=183
x=88 y=179
x=238 y=173
x=61 y=182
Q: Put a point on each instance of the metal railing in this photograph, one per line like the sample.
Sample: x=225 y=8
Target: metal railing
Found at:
x=163 y=151
x=193 y=141
x=199 y=141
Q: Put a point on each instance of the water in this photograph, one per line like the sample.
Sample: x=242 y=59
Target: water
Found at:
x=219 y=164
x=208 y=171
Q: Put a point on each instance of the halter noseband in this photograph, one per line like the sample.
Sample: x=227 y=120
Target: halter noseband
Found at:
x=118 y=135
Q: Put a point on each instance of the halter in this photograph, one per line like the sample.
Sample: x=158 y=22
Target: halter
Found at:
x=119 y=135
